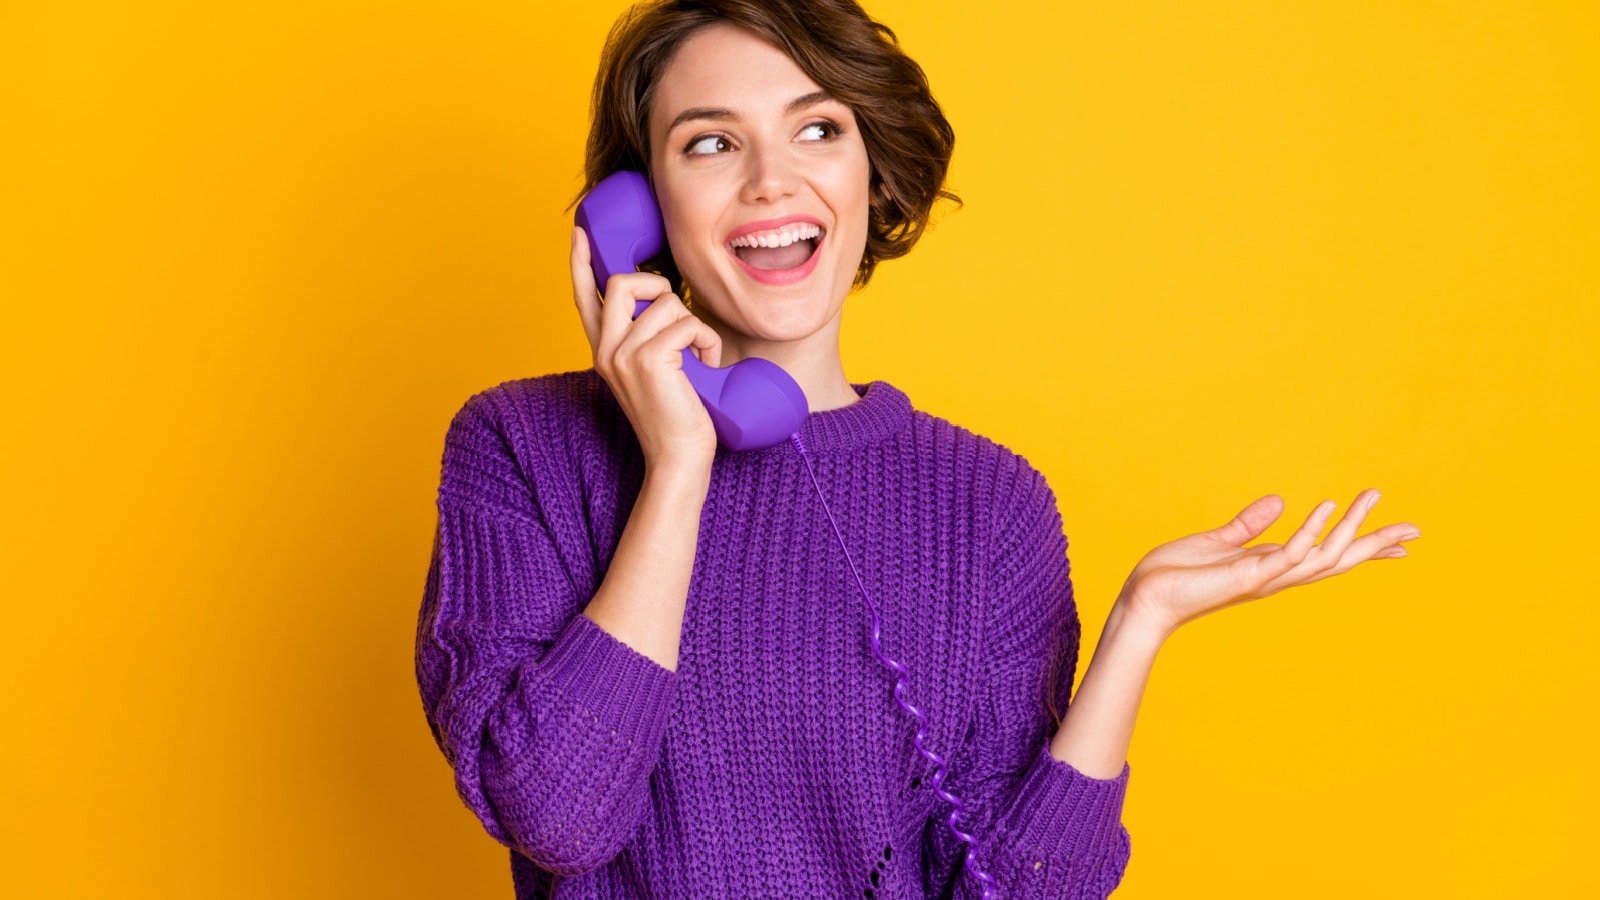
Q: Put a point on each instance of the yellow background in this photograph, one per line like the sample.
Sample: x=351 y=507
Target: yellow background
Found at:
x=255 y=256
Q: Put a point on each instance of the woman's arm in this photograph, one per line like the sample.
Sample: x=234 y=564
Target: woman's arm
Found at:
x=642 y=598
x=534 y=706
x=641 y=601
x=533 y=703
x=1044 y=829
x=1098 y=726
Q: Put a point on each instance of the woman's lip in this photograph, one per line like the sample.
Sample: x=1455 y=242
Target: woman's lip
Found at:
x=770 y=224
x=781 y=276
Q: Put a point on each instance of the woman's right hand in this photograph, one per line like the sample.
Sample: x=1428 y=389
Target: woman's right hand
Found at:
x=642 y=359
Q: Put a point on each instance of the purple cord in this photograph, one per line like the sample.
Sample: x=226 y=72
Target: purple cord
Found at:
x=900 y=687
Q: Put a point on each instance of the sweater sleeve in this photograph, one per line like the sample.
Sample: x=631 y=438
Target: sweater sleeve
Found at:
x=551 y=725
x=1044 y=828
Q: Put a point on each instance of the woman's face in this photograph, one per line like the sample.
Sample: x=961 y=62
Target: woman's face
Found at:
x=763 y=182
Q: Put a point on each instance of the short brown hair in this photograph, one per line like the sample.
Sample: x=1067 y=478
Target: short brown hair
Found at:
x=856 y=60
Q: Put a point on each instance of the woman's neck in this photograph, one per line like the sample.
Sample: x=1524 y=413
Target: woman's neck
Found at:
x=814 y=364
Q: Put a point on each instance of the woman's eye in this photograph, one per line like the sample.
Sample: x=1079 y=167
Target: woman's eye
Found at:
x=819 y=131
x=709 y=145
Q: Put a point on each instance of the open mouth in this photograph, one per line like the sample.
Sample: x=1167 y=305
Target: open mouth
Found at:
x=780 y=248
x=779 y=254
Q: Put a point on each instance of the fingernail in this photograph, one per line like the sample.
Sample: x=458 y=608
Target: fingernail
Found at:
x=1411 y=536
x=1398 y=552
x=1375 y=498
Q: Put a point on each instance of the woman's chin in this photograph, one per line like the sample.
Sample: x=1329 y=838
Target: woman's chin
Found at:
x=772 y=314
x=774 y=326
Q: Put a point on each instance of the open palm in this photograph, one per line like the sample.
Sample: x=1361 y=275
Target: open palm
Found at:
x=1192 y=576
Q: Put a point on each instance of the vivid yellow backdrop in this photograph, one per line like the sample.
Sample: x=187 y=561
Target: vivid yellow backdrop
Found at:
x=255 y=255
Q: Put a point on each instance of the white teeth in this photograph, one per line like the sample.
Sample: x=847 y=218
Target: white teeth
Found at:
x=780 y=237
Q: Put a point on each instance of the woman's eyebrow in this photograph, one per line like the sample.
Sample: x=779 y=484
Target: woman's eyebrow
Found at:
x=723 y=114
x=811 y=99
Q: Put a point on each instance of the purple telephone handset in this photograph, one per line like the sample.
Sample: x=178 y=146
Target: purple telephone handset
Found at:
x=753 y=403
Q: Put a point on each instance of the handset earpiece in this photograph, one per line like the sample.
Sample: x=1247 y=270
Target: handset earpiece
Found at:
x=623 y=223
x=753 y=403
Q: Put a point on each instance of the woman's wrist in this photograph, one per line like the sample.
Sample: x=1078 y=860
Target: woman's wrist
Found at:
x=679 y=475
x=1129 y=615
x=1128 y=626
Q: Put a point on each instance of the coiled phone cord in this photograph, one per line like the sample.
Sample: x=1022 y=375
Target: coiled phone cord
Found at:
x=900 y=688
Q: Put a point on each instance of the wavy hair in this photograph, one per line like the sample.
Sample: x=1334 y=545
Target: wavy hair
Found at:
x=856 y=60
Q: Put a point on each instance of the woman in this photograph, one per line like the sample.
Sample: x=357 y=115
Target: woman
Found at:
x=645 y=656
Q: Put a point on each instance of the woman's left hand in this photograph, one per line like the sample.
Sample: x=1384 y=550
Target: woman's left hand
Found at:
x=1181 y=581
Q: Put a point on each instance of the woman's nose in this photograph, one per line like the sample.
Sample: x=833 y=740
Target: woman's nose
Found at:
x=771 y=175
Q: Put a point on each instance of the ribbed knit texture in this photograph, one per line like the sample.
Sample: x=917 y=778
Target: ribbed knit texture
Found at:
x=774 y=761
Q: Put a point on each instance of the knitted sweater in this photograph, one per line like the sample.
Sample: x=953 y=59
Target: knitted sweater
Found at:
x=774 y=761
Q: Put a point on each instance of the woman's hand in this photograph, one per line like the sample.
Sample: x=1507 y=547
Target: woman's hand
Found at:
x=642 y=359
x=1183 y=580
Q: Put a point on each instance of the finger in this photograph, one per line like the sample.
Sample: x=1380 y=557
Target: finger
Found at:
x=1333 y=547
x=616 y=315
x=1276 y=570
x=1379 y=544
x=687 y=332
x=1250 y=522
x=1383 y=543
x=707 y=343
x=1302 y=541
x=661 y=313
x=584 y=292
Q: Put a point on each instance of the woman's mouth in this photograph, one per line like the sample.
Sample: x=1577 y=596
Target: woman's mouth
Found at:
x=777 y=253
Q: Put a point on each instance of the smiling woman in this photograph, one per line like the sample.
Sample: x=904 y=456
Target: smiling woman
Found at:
x=651 y=678
x=650 y=671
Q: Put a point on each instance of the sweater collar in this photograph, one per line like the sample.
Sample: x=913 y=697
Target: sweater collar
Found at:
x=882 y=410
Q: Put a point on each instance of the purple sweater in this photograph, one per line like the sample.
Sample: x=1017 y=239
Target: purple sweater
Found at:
x=774 y=761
